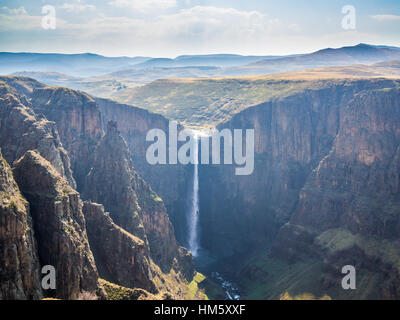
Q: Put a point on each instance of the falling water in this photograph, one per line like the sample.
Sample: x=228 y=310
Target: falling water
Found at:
x=230 y=289
x=194 y=207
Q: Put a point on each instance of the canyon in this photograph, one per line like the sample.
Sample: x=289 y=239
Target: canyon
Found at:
x=53 y=138
x=324 y=193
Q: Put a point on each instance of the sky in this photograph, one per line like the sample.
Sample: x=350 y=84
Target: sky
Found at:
x=168 y=28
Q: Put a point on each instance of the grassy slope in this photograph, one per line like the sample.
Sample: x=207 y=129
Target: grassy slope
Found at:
x=273 y=278
x=192 y=290
x=208 y=101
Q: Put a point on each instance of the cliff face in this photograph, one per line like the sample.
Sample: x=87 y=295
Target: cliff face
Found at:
x=141 y=236
x=59 y=225
x=292 y=135
x=144 y=254
x=131 y=202
x=22 y=130
x=78 y=121
x=325 y=187
x=170 y=182
x=19 y=263
x=348 y=208
x=120 y=256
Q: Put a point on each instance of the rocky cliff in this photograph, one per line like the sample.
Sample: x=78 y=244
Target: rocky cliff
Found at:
x=324 y=192
x=131 y=202
x=348 y=208
x=292 y=135
x=78 y=122
x=22 y=130
x=124 y=259
x=133 y=124
x=19 y=263
x=145 y=249
x=59 y=225
x=120 y=256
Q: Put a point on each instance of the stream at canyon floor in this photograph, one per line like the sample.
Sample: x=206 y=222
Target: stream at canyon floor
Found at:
x=207 y=265
x=231 y=290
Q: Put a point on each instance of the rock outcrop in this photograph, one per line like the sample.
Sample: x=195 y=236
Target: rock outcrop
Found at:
x=59 y=225
x=348 y=208
x=22 y=130
x=132 y=204
x=78 y=121
x=292 y=135
x=120 y=256
x=134 y=124
x=19 y=263
x=137 y=250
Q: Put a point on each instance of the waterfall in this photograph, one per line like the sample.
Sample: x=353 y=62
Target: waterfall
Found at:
x=193 y=218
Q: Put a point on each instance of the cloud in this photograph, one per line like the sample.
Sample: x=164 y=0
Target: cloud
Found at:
x=77 y=7
x=385 y=17
x=200 y=29
x=13 y=12
x=210 y=22
x=20 y=20
x=17 y=19
x=143 y=5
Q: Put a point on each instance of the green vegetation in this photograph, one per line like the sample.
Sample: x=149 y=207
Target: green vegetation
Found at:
x=261 y=277
x=205 y=102
x=275 y=277
x=201 y=102
x=304 y=296
x=340 y=239
x=155 y=197
x=12 y=205
x=194 y=291
x=213 y=290
x=116 y=292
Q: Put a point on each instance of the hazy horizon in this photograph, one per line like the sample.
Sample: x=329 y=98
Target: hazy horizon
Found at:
x=170 y=28
x=192 y=54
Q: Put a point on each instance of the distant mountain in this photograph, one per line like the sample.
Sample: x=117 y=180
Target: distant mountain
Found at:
x=86 y=64
x=49 y=78
x=106 y=77
x=389 y=64
x=216 y=60
x=382 y=47
x=91 y=65
x=361 y=54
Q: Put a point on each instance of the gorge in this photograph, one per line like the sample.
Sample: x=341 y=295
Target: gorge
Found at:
x=324 y=193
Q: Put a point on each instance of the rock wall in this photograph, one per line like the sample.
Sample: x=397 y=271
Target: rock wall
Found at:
x=349 y=207
x=134 y=123
x=120 y=257
x=78 y=121
x=147 y=255
x=131 y=202
x=19 y=263
x=292 y=135
x=59 y=225
x=21 y=129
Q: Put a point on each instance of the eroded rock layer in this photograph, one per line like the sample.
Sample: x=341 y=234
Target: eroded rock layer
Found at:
x=19 y=263
x=59 y=225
